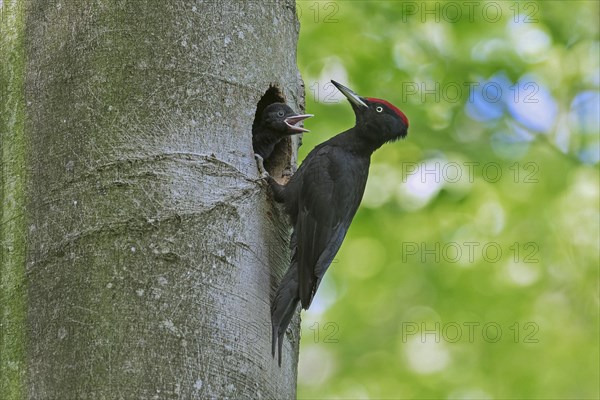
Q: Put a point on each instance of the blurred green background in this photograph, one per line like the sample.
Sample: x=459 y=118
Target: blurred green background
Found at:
x=471 y=268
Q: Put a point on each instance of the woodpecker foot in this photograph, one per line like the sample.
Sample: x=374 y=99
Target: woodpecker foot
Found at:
x=287 y=172
x=261 y=167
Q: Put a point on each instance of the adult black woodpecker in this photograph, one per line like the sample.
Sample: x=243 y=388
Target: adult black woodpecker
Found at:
x=322 y=197
x=276 y=121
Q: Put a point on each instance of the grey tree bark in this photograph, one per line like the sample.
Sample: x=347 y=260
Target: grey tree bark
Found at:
x=139 y=253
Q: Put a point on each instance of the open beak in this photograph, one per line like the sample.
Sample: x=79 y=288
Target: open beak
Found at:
x=352 y=97
x=293 y=121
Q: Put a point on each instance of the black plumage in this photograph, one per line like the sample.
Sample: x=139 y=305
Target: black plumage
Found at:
x=276 y=121
x=322 y=197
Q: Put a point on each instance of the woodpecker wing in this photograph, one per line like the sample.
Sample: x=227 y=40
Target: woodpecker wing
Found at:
x=332 y=186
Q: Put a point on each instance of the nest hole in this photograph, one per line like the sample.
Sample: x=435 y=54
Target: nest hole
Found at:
x=278 y=164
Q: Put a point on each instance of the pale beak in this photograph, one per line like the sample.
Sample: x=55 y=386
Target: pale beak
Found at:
x=294 y=120
x=352 y=97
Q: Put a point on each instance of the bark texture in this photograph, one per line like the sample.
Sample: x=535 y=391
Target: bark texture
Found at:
x=139 y=254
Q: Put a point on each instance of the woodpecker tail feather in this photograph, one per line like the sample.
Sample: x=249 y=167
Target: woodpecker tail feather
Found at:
x=284 y=306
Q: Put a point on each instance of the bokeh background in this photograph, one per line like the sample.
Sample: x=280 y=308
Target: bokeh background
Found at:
x=471 y=268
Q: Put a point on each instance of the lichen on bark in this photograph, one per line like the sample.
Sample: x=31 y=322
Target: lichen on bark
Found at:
x=12 y=198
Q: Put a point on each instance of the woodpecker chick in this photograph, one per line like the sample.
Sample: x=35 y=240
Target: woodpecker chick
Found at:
x=277 y=121
x=321 y=199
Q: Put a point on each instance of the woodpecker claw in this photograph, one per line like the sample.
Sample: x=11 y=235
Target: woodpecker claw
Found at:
x=260 y=163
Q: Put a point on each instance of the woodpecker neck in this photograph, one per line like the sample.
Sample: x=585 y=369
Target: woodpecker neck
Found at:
x=264 y=143
x=357 y=141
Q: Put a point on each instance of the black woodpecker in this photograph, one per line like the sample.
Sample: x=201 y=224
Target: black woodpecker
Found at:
x=322 y=197
x=277 y=121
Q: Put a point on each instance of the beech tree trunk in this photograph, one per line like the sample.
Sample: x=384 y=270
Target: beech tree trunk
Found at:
x=139 y=253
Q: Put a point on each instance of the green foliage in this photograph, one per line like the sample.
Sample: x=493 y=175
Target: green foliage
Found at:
x=471 y=268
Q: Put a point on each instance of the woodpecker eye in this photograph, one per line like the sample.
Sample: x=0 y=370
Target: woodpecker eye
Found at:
x=280 y=113
x=379 y=109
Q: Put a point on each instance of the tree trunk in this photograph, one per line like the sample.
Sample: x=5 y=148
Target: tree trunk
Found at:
x=139 y=253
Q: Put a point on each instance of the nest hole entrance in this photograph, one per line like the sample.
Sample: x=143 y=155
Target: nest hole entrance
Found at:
x=278 y=164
